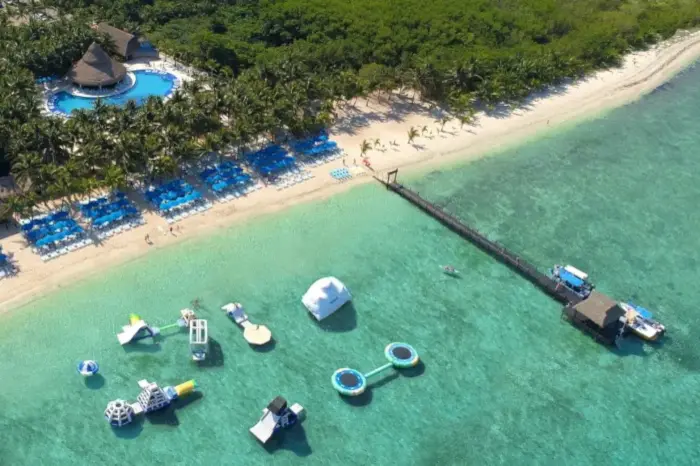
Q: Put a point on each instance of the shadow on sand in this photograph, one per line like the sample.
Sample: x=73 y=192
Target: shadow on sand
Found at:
x=342 y=320
x=293 y=440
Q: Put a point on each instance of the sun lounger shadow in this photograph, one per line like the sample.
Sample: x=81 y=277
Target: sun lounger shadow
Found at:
x=294 y=440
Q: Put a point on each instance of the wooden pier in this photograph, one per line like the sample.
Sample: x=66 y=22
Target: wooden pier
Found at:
x=524 y=268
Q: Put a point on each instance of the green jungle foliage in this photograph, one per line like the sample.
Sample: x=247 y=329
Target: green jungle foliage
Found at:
x=282 y=64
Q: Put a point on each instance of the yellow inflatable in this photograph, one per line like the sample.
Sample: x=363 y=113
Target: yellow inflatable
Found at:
x=186 y=388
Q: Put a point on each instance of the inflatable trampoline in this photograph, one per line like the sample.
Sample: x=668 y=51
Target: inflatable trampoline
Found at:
x=349 y=382
x=401 y=355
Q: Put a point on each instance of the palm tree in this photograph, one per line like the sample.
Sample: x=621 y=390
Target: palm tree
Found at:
x=443 y=121
x=364 y=147
x=424 y=129
x=377 y=143
x=412 y=134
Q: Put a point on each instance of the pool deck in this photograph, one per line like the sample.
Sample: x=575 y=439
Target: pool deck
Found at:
x=163 y=63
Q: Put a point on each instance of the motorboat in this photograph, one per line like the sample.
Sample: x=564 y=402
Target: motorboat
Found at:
x=640 y=321
x=573 y=279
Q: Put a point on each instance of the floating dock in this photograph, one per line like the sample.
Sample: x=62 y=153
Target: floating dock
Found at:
x=576 y=314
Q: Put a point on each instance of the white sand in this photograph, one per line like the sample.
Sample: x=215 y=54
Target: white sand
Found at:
x=640 y=73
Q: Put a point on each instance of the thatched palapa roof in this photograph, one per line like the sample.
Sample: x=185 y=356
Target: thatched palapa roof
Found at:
x=600 y=309
x=97 y=69
x=125 y=44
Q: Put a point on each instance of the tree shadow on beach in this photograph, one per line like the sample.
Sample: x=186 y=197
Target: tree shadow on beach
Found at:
x=342 y=320
x=294 y=440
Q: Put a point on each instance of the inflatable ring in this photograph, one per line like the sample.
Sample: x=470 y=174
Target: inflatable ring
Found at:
x=401 y=355
x=88 y=368
x=349 y=382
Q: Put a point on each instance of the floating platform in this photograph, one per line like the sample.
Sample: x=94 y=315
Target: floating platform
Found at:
x=254 y=334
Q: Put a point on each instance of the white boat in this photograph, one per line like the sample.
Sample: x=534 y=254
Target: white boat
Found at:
x=199 y=339
x=640 y=322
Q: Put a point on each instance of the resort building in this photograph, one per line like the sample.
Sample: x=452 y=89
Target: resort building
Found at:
x=598 y=315
x=125 y=44
x=96 y=69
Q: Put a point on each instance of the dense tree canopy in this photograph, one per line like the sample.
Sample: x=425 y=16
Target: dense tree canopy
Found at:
x=280 y=64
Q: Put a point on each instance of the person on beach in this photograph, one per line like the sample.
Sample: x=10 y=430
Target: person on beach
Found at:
x=171 y=231
x=343 y=161
x=147 y=238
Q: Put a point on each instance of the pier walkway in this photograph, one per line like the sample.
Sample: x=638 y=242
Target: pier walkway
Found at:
x=524 y=268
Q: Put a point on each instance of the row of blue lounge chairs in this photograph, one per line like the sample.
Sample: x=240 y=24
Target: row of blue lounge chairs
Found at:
x=54 y=234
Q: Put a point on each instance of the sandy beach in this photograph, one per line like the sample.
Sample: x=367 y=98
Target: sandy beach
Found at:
x=385 y=119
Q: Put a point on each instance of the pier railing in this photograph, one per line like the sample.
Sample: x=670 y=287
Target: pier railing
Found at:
x=497 y=251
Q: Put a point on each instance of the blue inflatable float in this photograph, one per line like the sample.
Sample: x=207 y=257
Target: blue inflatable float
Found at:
x=88 y=368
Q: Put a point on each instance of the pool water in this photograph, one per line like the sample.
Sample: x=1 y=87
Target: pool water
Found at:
x=147 y=84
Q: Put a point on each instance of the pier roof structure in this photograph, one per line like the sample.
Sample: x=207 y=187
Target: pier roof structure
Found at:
x=600 y=309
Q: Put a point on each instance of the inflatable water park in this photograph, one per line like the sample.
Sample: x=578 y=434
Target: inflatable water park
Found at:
x=152 y=398
x=351 y=382
x=323 y=298
x=138 y=329
x=275 y=417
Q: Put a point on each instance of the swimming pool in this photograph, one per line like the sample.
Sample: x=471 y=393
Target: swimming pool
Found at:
x=148 y=83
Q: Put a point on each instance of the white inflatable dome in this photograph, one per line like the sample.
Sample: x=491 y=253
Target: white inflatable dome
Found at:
x=325 y=296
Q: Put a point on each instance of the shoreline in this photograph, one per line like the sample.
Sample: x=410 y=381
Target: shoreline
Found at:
x=386 y=119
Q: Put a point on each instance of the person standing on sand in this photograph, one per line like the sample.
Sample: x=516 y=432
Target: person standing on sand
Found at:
x=147 y=238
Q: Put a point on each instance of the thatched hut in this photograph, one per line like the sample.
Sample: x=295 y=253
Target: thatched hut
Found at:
x=598 y=315
x=125 y=44
x=96 y=69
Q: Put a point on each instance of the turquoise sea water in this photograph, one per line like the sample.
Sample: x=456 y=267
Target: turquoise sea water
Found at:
x=504 y=380
x=147 y=84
